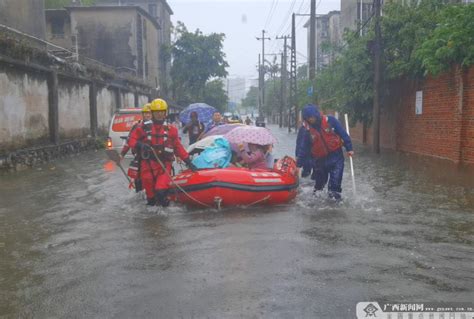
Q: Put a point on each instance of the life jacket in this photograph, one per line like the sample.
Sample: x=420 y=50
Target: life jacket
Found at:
x=324 y=141
x=159 y=141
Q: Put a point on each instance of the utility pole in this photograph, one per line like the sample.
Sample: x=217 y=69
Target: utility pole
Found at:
x=377 y=75
x=284 y=78
x=259 y=87
x=262 y=71
x=312 y=41
x=293 y=92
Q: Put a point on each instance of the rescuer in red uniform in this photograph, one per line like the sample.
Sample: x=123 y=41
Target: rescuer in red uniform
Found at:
x=158 y=140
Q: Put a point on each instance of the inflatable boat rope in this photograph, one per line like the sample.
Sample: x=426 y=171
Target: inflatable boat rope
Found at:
x=177 y=186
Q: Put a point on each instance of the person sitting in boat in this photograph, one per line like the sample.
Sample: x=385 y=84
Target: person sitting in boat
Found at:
x=256 y=158
x=269 y=159
x=216 y=121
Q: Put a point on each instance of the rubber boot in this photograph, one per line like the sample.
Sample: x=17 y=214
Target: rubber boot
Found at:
x=336 y=196
x=138 y=185
x=306 y=172
x=151 y=201
x=162 y=199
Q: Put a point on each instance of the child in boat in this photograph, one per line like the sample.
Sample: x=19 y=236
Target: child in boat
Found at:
x=256 y=158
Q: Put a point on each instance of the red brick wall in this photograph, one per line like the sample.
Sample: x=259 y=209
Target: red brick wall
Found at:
x=467 y=133
x=445 y=129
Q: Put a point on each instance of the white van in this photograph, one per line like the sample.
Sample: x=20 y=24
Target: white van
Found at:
x=120 y=126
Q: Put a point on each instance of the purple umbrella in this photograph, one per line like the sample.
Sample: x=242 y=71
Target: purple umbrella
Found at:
x=251 y=134
x=222 y=129
x=204 y=112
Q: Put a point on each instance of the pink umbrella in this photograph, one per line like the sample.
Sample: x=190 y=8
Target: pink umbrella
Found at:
x=250 y=134
x=222 y=129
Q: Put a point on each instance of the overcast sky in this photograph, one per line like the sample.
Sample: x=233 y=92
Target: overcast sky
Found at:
x=243 y=20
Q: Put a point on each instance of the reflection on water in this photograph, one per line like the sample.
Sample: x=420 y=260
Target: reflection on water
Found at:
x=74 y=241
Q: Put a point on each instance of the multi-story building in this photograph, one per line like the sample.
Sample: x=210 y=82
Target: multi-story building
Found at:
x=161 y=11
x=328 y=36
x=236 y=90
x=354 y=14
x=24 y=15
x=124 y=37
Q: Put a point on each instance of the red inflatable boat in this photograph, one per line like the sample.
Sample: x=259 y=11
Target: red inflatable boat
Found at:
x=235 y=186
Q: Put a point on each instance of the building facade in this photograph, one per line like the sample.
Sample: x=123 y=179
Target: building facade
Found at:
x=235 y=88
x=58 y=28
x=328 y=36
x=354 y=13
x=124 y=37
x=161 y=11
x=24 y=15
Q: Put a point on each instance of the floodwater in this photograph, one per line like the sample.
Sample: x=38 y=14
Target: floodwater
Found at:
x=76 y=243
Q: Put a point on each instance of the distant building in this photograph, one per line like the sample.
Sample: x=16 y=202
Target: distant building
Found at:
x=354 y=13
x=24 y=15
x=161 y=11
x=236 y=90
x=125 y=37
x=328 y=36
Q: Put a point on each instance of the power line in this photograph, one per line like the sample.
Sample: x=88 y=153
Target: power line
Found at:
x=285 y=21
x=270 y=13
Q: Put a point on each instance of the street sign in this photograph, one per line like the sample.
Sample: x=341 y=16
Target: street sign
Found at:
x=309 y=91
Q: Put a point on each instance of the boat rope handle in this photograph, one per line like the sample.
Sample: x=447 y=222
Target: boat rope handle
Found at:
x=175 y=184
x=258 y=201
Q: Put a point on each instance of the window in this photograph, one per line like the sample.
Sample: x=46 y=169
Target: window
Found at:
x=152 y=10
x=57 y=27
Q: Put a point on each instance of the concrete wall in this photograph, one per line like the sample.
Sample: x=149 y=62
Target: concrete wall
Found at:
x=152 y=57
x=106 y=106
x=74 y=110
x=24 y=15
x=128 y=100
x=142 y=100
x=23 y=108
x=107 y=36
x=444 y=129
x=349 y=16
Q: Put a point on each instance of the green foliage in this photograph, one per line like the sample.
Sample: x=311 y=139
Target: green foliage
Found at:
x=58 y=4
x=251 y=99
x=302 y=72
x=404 y=28
x=272 y=95
x=452 y=42
x=215 y=95
x=347 y=84
x=197 y=58
x=417 y=39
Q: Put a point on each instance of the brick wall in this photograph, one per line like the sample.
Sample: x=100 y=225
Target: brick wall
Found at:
x=467 y=133
x=444 y=129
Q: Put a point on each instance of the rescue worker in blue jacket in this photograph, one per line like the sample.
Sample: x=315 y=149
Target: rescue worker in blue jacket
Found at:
x=321 y=147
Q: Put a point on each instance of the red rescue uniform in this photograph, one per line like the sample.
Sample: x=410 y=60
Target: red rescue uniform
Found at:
x=165 y=142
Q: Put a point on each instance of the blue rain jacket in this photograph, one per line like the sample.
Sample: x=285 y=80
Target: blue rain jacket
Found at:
x=303 y=142
x=326 y=169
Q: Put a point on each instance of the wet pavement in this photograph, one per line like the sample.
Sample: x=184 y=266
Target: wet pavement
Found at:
x=76 y=243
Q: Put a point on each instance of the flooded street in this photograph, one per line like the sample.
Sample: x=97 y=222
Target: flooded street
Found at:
x=75 y=242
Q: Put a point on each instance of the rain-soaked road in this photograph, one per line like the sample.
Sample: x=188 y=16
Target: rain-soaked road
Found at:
x=76 y=243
